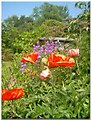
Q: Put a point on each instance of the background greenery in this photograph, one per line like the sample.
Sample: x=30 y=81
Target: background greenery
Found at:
x=69 y=95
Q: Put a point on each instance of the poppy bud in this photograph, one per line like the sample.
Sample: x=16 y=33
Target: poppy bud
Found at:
x=73 y=52
x=45 y=74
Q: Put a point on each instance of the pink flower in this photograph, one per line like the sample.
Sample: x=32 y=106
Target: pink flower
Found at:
x=45 y=74
x=73 y=52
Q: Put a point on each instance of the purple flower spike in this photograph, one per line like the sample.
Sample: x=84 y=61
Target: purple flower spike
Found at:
x=51 y=40
x=22 y=69
x=23 y=65
x=47 y=48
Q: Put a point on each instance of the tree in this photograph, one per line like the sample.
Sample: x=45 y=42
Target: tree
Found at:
x=36 y=13
x=11 y=20
x=85 y=6
x=8 y=36
x=50 y=11
x=82 y=22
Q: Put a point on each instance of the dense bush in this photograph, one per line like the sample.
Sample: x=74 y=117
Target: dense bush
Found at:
x=50 y=28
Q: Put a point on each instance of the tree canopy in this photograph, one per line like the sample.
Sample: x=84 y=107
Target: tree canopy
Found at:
x=50 y=11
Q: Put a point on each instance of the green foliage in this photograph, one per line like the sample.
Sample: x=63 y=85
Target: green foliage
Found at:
x=22 y=24
x=12 y=27
x=8 y=36
x=50 y=28
x=18 y=42
x=23 y=42
x=7 y=54
x=50 y=11
x=83 y=5
x=82 y=22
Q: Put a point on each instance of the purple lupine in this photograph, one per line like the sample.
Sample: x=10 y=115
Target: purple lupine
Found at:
x=47 y=48
x=23 y=65
x=56 y=43
x=22 y=69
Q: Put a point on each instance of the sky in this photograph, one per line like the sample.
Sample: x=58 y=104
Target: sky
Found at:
x=11 y=8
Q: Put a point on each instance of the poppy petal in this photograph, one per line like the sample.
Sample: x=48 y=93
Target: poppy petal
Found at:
x=12 y=94
x=60 y=60
x=30 y=58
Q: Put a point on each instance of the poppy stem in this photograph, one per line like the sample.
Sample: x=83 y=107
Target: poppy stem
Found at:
x=31 y=70
x=14 y=112
x=77 y=65
x=53 y=92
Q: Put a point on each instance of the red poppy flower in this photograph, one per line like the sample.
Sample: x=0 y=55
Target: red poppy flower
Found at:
x=60 y=60
x=12 y=94
x=30 y=58
x=53 y=60
x=67 y=62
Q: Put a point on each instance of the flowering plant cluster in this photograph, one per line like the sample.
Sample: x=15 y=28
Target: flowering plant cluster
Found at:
x=48 y=48
x=50 y=61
